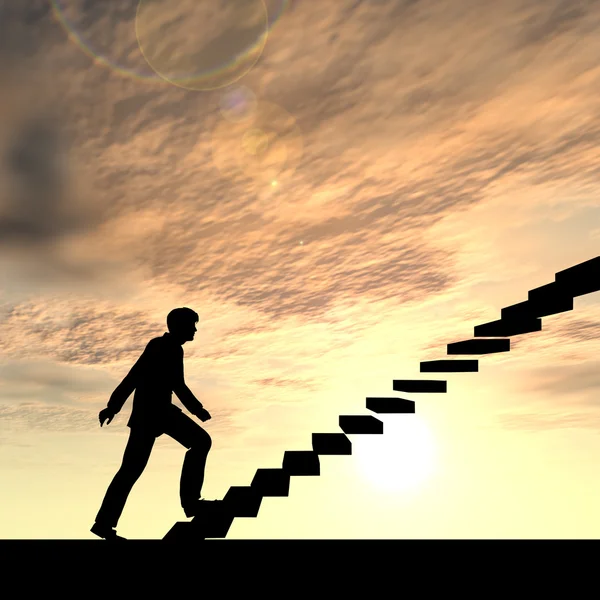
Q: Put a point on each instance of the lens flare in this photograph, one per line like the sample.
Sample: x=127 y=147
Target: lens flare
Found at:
x=255 y=141
x=100 y=30
x=264 y=146
x=199 y=44
x=238 y=104
x=106 y=32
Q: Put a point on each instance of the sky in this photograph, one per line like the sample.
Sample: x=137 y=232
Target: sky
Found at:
x=339 y=190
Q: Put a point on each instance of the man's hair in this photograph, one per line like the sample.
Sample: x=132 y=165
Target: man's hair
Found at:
x=180 y=317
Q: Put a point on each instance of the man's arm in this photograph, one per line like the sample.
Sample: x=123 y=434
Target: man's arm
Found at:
x=129 y=383
x=183 y=391
x=188 y=399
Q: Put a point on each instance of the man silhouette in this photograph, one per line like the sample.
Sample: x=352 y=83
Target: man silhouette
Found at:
x=157 y=373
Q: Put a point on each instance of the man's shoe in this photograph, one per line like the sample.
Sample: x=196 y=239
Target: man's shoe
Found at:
x=194 y=509
x=104 y=532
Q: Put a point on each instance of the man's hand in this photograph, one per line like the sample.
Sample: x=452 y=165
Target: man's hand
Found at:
x=203 y=415
x=104 y=415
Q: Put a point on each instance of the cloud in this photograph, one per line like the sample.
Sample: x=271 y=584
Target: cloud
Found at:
x=32 y=416
x=580 y=380
x=50 y=382
x=564 y=16
x=53 y=418
x=419 y=123
x=537 y=422
x=76 y=332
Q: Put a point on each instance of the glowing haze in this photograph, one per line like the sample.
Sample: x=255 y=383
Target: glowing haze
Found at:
x=341 y=195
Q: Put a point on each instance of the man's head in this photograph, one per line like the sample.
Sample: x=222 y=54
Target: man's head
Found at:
x=181 y=323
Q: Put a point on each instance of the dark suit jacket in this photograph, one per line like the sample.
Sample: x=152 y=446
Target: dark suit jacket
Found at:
x=155 y=376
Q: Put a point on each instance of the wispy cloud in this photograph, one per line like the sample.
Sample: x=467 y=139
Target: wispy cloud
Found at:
x=27 y=416
x=563 y=381
x=538 y=422
x=425 y=141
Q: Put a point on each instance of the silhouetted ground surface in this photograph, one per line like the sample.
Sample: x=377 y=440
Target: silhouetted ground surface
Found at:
x=288 y=568
x=317 y=569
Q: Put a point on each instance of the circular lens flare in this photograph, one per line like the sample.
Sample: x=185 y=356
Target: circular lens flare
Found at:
x=99 y=31
x=237 y=104
x=255 y=141
x=196 y=45
x=265 y=145
x=106 y=32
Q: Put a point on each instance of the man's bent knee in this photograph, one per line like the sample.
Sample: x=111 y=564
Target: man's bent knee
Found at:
x=202 y=441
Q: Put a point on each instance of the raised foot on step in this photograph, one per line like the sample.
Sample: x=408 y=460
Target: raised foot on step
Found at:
x=196 y=507
x=106 y=533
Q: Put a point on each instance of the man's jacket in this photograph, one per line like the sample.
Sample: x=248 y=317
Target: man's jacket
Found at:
x=155 y=376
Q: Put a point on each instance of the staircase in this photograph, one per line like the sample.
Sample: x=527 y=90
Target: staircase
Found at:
x=524 y=317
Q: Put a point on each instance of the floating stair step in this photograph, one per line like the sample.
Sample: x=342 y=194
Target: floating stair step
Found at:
x=271 y=482
x=391 y=405
x=360 y=424
x=450 y=366
x=420 y=386
x=545 y=300
x=479 y=347
x=508 y=327
x=583 y=278
x=549 y=300
x=182 y=531
x=331 y=444
x=243 y=501
x=213 y=521
x=301 y=462
x=546 y=293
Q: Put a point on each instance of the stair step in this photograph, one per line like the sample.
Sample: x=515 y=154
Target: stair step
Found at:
x=182 y=531
x=301 y=462
x=552 y=291
x=546 y=300
x=581 y=279
x=213 y=521
x=331 y=444
x=271 y=482
x=556 y=297
x=391 y=405
x=243 y=501
x=479 y=346
x=450 y=366
x=420 y=386
x=360 y=424
x=508 y=327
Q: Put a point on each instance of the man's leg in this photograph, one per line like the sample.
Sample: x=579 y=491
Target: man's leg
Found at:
x=135 y=459
x=189 y=434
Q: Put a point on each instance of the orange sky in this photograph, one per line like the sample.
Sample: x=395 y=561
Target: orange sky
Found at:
x=396 y=173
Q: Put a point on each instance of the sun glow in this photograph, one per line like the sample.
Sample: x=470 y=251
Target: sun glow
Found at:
x=402 y=458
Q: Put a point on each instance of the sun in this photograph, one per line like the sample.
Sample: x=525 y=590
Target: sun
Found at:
x=402 y=458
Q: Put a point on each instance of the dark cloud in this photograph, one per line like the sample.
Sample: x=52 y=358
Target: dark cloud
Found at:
x=51 y=383
x=22 y=29
x=36 y=163
x=556 y=17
